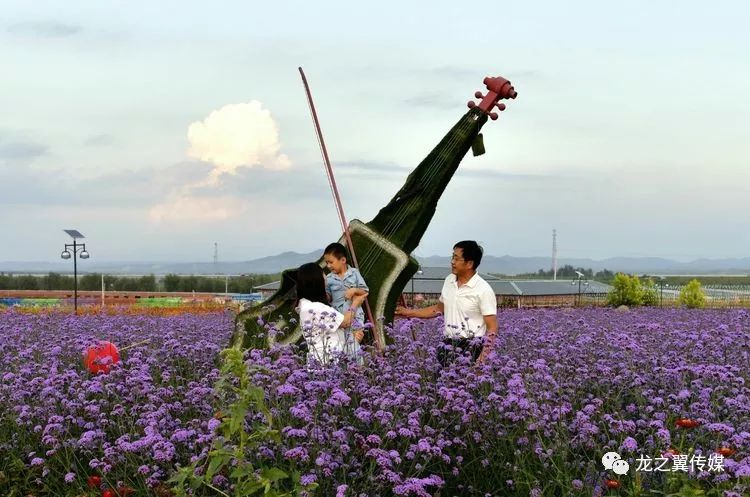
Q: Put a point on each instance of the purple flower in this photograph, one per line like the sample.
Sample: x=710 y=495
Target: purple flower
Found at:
x=294 y=432
x=405 y=432
x=418 y=486
x=373 y=439
x=629 y=445
x=297 y=454
x=308 y=479
x=338 y=398
x=287 y=389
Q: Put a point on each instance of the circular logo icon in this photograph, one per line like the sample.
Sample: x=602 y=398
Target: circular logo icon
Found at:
x=620 y=467
x=609 y=459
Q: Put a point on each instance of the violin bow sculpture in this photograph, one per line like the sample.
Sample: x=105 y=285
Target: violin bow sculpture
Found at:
x=383 y=245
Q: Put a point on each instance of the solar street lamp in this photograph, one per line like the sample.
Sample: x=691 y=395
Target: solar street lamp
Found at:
x=581 y=276
x=71 y=251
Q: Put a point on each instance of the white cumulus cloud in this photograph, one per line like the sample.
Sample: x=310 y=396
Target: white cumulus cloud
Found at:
x=235 y=136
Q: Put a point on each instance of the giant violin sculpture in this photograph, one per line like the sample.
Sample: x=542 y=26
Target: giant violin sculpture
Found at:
x=383 y=245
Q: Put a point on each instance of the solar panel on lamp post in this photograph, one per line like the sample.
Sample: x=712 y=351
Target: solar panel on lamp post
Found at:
x=66 y=254
x=580 y=278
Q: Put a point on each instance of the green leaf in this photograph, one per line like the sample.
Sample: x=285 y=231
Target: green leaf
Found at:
x=238 y=412
x=240 y=472
x=217 y=459
x=179 y=477
x=688 y=490
x=273 y=474
x=248 y=487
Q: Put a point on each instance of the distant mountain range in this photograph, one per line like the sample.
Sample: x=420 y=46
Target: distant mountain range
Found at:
x=490 y=264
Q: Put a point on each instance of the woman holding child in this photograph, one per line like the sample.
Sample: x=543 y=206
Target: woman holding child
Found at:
x=327 y=331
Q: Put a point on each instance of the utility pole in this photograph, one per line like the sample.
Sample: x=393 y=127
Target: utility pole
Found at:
x=554 y=254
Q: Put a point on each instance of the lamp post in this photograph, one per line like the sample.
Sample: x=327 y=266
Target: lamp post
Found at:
x=579 y=280
x=662 y=284
x=66 y=254
x=419 y=271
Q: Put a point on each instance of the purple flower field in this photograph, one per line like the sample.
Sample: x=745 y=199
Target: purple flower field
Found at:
x=564 y=387
x=129 y=426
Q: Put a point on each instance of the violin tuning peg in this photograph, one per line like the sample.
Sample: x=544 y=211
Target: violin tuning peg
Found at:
x=471 y=104
x=478 y=94
x=501 y=107
x=493 y=116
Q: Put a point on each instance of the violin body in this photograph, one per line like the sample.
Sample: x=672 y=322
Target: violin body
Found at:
x=383 y=245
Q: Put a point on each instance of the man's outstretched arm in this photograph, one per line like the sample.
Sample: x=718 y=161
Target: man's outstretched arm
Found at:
x=424 y=313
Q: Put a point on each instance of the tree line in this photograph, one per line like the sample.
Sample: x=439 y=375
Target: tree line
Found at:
x=169 y=283
x=566 y=272
x=606 y=276
x=634 y=291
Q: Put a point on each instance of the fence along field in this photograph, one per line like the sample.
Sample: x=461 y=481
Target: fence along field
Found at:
x=717 y=295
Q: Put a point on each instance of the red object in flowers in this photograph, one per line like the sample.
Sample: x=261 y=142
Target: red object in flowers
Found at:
x=612 y=484
x=94 y=481
x=726 y=451
x=124 y=491
x=108 y=493
x=99 y=358
x=671 y=452
x=687 y=423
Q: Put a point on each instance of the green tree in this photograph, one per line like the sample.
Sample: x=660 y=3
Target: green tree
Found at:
x=627 y=290
x=56 y=281
x=565 y=272
x=650 y=294
x=90 y=282
x=27 y=282
x=171 y=283
x=147 y=283
x=692 y=295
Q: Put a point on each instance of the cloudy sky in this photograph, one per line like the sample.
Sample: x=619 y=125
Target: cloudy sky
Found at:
x=159 y=128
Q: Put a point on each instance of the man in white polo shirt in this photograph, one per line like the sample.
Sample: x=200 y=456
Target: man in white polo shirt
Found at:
x=468 y=303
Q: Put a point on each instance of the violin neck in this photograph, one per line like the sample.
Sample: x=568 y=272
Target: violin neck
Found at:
x=404 y=220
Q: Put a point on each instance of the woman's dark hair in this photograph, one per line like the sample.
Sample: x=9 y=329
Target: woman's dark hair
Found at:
x=311 y=283
x=471 y=251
